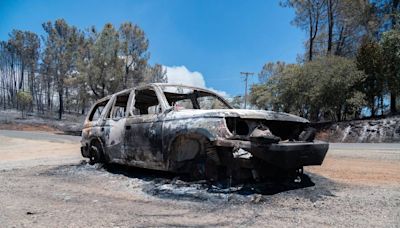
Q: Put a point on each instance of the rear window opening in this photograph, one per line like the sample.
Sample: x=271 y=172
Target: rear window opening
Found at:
x=146 y=102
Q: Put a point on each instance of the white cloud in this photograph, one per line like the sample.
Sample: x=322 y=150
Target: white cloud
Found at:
x=220 y=92
x=182 y=76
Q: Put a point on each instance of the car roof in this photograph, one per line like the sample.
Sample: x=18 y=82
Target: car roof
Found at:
x=161 y=85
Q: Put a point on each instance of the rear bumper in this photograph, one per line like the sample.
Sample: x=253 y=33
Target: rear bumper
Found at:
x=287 y=155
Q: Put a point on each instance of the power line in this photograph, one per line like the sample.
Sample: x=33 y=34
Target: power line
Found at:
x=246 y=76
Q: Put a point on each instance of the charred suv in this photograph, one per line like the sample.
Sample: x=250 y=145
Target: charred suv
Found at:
x=191 y=130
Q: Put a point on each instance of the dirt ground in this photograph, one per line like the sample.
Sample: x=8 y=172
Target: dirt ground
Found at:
x=45 y=183
x=26 y=127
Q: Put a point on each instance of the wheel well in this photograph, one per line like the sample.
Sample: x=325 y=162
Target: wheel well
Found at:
x=96 y=141
x=187 y=146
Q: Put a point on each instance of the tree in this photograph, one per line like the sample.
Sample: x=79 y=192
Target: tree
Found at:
x=104 y=68
x=351 y=21
x=261 y=96
x=391 y=58
x=157 y=73
x=370 y=60
x=31 y=56
x=335 y=27
x=270 y=69
x=333 y=90
x=75 y=67
x=86 y=67
x=60 y=53
x=46 y=70
x=279 y=92
x=308 y=17
x=23 y=46
x=16 y=44
x=133 y=49
x=322 y=89
x=24 y=100
x=237 y=102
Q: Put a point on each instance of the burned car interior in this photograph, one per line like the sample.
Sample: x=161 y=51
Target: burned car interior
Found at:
x=146 y=102
x=193 y=99
x=194 y=131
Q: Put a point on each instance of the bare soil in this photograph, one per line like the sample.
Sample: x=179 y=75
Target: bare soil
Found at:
x=45 y=183
x=28 y=127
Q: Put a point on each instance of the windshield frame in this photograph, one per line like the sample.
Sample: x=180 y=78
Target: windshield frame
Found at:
x=195 y=89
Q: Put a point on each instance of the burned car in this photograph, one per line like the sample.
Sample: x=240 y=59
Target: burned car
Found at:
x=194 y=131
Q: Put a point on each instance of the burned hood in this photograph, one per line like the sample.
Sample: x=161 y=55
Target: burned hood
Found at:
x=242 y=113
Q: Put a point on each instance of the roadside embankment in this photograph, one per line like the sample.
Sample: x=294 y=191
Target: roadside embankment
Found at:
x=361 y=131
x=70 y=124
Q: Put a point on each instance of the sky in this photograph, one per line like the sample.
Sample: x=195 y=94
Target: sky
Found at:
x=204 y=43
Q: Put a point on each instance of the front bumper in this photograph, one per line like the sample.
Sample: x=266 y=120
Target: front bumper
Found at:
x=285 y=155
x=85 y=151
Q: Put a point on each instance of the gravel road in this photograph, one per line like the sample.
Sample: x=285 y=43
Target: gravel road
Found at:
x=45 y=183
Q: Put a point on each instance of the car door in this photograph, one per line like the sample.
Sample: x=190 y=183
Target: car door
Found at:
x=143 y=130
x=93 y=127
x=113 y=127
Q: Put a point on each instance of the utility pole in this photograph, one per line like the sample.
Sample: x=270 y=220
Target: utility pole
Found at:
x=246 y=76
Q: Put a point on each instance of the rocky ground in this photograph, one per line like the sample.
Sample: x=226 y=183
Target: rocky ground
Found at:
x=361 y=131
x=45 y=183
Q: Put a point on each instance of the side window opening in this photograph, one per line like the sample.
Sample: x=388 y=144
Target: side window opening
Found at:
x=210 y=102
x=146 y=102
x=183 y=104
x=119 y=109
x=97 y=111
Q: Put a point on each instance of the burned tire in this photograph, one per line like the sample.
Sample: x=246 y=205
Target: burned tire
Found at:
x=96 y=153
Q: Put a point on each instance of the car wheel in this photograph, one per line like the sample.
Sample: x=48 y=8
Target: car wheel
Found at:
x=96 y=153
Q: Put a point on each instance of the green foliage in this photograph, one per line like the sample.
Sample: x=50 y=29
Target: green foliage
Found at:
x=391 y=54
x=321 y=89
x=133 y=48
x=113 y=60
x=24 y=100
x=25 y=45
x=370 y=60
x=105 y=66
x=75 y=66
x=337 y=26
x=270 y=69
x=156 y=74
x=62 y=43
x=237 y=102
